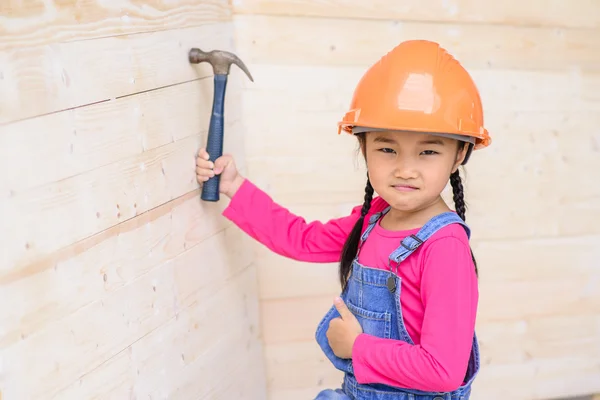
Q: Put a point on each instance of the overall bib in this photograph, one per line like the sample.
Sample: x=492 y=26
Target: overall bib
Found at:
x=373 y=296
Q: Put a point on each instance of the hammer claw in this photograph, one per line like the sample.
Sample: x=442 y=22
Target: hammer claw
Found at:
x=220 y=60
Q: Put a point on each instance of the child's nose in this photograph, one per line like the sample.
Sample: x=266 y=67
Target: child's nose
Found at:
x=405 y=169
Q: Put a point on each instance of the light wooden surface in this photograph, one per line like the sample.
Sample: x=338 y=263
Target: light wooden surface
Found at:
x=533 y=197
x=335 y=41
x=38 y=22
x=39 y=80
x=535 y=13
x=123 y=283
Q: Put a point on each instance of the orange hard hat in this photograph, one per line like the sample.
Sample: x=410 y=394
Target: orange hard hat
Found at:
x=418 y=86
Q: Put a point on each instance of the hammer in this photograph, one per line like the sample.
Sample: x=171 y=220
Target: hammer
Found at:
x=221 y=62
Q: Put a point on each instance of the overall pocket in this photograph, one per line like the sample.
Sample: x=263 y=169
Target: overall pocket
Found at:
x=344 y=365
x=373 y=323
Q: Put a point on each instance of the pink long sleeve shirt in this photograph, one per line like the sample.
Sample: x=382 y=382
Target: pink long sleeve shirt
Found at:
x=438 y=298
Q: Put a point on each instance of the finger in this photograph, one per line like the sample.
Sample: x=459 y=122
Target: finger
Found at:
x=203 y=154
x=331 y=326
x=202 y=163
x=202 y=179
x=203 y=172
x=220 y=164
x=342 y=308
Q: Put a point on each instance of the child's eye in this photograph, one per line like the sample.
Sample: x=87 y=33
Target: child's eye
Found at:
x=429 y=152
x=386 y=150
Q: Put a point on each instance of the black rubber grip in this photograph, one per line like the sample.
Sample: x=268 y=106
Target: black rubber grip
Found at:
x=214 y=142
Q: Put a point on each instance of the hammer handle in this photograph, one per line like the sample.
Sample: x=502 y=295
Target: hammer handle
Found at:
x=214 y=145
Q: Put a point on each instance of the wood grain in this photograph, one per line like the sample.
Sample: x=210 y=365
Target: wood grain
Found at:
x=38 y=22
x=57 y=285
x=83 y=205
x=299 y=365
x=85 y=138
x=126 y=285
x=553 y=13
x=285 y=40
x=538 y=379
x=134 y=179
x=46 y=79
x=77 y=343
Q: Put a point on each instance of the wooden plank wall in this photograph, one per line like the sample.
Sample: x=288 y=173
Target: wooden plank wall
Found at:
x=116 y=280
x=534 y=197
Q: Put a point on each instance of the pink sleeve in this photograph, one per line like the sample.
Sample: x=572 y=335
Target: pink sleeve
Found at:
x=286 y=234
x=439 y=362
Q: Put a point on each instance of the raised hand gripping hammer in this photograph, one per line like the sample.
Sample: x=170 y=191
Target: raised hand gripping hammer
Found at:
x=221 y=62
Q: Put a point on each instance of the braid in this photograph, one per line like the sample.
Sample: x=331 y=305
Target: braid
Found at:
x=459 y=198
x=351 y=245
x=368 y=198
x=459 y=203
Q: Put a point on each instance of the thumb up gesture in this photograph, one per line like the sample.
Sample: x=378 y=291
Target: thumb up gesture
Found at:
x=342 y=332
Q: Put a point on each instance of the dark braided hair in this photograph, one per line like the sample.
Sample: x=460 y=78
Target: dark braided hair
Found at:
x=351 y=245
x=459 y=198
x=459 y=203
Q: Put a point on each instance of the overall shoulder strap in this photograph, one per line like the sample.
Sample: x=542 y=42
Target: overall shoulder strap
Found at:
x=410 y=243
x=372 y=222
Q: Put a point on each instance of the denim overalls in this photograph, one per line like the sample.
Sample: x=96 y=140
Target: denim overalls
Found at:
x=373 y=296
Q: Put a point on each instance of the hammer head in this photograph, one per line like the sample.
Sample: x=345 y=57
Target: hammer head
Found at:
x=220 y=60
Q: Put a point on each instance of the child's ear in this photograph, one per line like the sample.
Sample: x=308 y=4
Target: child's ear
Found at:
x=460 y=155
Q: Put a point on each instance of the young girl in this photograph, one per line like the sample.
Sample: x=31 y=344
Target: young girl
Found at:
x=404 y=325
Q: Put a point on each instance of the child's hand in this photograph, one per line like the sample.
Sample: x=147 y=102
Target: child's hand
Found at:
x=231 y=180
x=342 y=332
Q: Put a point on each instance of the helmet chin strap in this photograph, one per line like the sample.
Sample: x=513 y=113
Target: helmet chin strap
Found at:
x=468 y=155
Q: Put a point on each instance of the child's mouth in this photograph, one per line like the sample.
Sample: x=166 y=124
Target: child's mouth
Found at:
x=405 y=188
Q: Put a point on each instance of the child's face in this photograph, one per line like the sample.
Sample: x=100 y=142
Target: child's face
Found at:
x=410 y=170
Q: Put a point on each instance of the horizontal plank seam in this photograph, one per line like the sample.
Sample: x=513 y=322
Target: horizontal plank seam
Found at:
x=106 y=100
x=234 y=275
x=146 y=32
x=119 y=161
x=151 y=269
x=415 y=21
x=56 y=256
